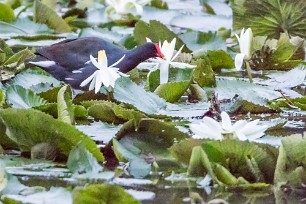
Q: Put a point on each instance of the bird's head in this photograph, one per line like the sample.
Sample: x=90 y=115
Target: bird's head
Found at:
x=159 y=52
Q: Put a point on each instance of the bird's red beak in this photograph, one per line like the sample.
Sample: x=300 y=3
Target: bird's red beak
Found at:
x=159 y=53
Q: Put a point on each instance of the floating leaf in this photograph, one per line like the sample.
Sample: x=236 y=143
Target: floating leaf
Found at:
x=172 y=91
x=36 y=80
x=81 y=161
x=156 y=31
x=203 y=73
x=29 y=127
x=64 y=105
x=179 y=81
x=138 y=167
x=20 y=97
x=128 y=92
x=202 y=23
x=102 y=193
x=257 y=94
x=45 y=15
x=203 y=41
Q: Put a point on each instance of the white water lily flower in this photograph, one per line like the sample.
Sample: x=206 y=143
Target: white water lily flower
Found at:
x=124 y=7
x=245 y=42
x=167 y=49
x=209 y=128
x=105 y=75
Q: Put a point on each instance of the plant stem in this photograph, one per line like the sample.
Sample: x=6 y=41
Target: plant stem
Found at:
x=248 y=68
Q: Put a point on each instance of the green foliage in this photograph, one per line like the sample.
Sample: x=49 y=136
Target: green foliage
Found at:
x=203 y=74
x=127 y=91
x=159 y=4
x=108 y=111
x=200 y=41
x=10 y=62
x=229 y=162
x=281 y=54
x=172 y=91
x=179 y=82
x=290 y=168
x=271 y=17
x=138 y=167
x=103 y=194
x=20 y=97
x=6 y=13
x=257 y=94
x=45 y=15
x=28 y=127
x=65 y=106
x=156 y=31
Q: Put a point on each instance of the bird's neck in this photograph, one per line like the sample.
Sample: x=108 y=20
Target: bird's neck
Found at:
x=134 y=57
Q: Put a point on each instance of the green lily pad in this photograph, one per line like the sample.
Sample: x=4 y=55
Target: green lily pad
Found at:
x=28 y=127
x=127 y=91
x=138 y=167
x=81 y=161
x=179 y=82
x=20 y=97
x=203 y=41
x=257 y=94
x=203 y=73
x=38 y=81
x=172 y=91
x=102 y=193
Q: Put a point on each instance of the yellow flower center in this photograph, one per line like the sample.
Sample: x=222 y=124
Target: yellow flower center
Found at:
x=101 y=55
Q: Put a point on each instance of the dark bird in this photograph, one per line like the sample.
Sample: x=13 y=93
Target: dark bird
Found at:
x=69 y=60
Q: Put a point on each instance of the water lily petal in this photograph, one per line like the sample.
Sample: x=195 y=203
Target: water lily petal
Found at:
x=255 y=136
x=240 y=136
x=177 y=53
x=204 y=131
x=94 y=62
x=99 y=82
x=239 y=61
x=239 y=125
x=138 y=8
x=118 y=61
x=213 y=124
x=164 y=73
x=226 y=122
x=87 y=80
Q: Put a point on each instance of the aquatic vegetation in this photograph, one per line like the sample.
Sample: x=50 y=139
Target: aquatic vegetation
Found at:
x=186 y=117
